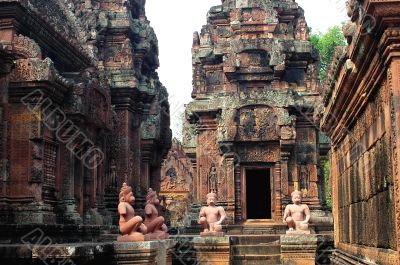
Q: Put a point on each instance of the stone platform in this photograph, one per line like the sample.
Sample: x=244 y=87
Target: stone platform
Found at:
x=253 y=249
x=107 y=253
x=298 y=249
x=185 y=250
x=260 y=229
x=147 y=252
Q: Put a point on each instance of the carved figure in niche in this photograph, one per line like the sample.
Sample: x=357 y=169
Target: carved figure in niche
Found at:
x=196 y=39
x=211 y=217
x=130 y=226
x=248 y=121
x=282 y=28
x=205 y=37
x=297 y=215
x=156 y=229
x=77 y=94
x=113 y=174
x=213 y=179
x=169 y=180
x=172 y=174
x=304 y=180
x=301 y=29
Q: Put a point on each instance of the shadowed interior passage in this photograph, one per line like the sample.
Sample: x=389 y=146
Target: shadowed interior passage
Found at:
x=258 y=194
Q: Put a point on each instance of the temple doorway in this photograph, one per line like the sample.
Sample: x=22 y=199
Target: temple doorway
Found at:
x=258 y=194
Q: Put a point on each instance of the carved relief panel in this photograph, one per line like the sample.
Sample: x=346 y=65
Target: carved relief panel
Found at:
x=258 y=124
x=254 y=59
x=261 y=152
x=305 y=176
x=228 y=125
x=176 y=184
x=211 y=173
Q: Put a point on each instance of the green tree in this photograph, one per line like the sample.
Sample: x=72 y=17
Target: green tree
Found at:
x=327 y=186
x=326 y=44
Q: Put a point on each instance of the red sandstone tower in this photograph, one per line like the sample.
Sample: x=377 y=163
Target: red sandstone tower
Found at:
x=251 y=127
x=91 y=66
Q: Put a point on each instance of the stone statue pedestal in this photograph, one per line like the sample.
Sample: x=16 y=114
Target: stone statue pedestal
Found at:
x=135 y=237
x=148 y=252
x=212 y=250
x=213 y=234
x=298 y=249
x=298 y=232
x=158 y=235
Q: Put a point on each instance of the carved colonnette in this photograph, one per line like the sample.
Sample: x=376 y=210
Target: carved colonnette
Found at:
x=255 y=91
x=360 y=117
x=6 y=64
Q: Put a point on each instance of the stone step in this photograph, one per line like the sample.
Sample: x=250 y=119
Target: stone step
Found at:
x=259 y=249
x=255 y=239
x=264 y=230
x=108 y=237
x=254 y=262
x=256 y=259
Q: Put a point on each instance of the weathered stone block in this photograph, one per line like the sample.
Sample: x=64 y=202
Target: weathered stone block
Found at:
x=212 y=250
x=298 y=249
x=147 y=252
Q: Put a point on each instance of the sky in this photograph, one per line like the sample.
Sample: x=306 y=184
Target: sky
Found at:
x=174 y=22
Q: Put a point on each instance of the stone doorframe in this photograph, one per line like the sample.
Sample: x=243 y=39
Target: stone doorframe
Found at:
x=272 y=172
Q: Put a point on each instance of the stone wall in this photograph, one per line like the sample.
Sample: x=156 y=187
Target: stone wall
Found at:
x=361 y=118
x=365 y=182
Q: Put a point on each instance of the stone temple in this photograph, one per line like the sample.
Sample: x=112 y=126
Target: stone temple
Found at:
x=251 y=126
x=82 y=111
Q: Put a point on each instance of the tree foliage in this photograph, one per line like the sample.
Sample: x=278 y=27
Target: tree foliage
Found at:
x=326 y=44
x=327 y=186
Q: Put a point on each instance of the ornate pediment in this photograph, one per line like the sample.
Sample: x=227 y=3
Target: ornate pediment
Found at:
x=258 y=124
x=25 y=47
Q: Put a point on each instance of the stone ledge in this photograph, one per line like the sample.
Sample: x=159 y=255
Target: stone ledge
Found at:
x=147 y=252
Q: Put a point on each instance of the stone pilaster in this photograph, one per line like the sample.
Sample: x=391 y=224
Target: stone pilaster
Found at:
x=238 y=195
x=68 y=203
x=230 y=186
x=5 y=68
x=394 y=83
x=283 y=182
x=285 y=173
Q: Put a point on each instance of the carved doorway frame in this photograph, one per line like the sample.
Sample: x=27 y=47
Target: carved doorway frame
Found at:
x=267 y=167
